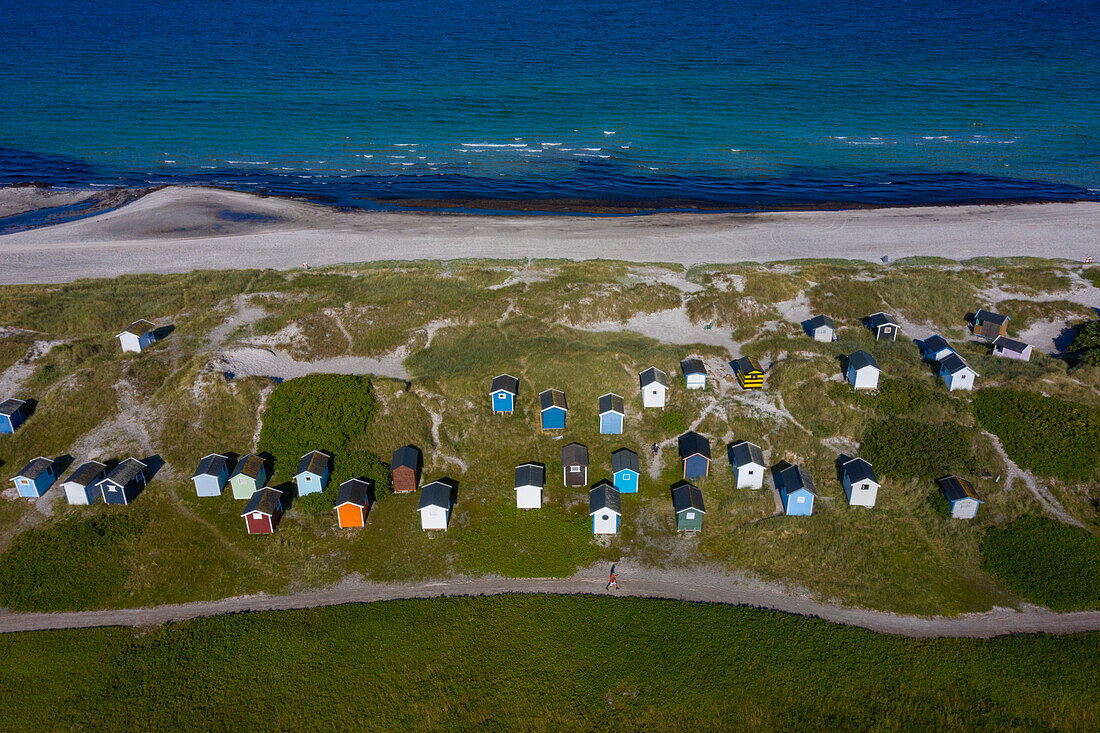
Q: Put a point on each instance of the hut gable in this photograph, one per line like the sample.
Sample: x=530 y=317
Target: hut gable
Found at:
x=35 y=478
x=574 y=462
x=353 y=503
x=748 y=465
x=80 y=487
x=748 y=372
x=530 y=480
x=990 y=325
x=687 y=502
x=863 y=371
x=13 y=413
x=695 y=373
x=625 y=470
x=502 y=393
x=435 y=506
x=612 y=414
x=694 y=454
x=405 y=467
x=604 y=506
x=860 y=483
x=883 y=326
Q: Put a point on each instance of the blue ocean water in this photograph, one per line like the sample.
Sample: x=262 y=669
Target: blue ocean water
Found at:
x=656 y=103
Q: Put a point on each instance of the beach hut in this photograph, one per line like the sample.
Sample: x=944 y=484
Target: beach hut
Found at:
x=80 y=487
x=990 y=325
x=605 y=508
x=353 y=503
x=137 y=336
x=530 y=481
x=553 y=408
x=960 y=496
x=860 y=483
x=263 y=511
x=574 y=464
x=13 y=413
x=821 y=328
x=935 y=347
x=654 y=384
x=863 y=371
x=124 y=482
x=748 y=372
x=502 y=393
x=695 y=373
x=211 y=475
x=748 y=465
x=796 y=490
x=248 y=477
x=694 y=454
x=313 y=473
x=883 y=326
x=435 y=506
x=405 y=466
x=687 y=502
x=1011 y=349
x=625 y=471
x=35 y=478
x=956 y=374
x=612 y=414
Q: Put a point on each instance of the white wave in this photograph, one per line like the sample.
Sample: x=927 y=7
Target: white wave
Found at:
x=397 y=156
x=608 y=132
x=494 y=145
x=254 y=162
x=549 y=145
x=405 y=145
x=625 y=147
x=735 y=150
x=593 y=150
x=169 y=161
x=936 y=137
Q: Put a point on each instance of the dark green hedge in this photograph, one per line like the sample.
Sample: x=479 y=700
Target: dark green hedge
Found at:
x=903 y=448
x=1046 y=562
x=1047 y=435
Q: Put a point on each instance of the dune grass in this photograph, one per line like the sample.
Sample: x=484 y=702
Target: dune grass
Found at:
x=540 y=663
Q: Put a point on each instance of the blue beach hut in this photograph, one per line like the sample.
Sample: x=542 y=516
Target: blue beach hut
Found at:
x=12 y=414
x=796 y=490
x=35 y=478
x=502 y=393
x=624 y=471
x=313 y=472
x=695 y=454
x=211 y=475
x=553 y=407
x=611 y=414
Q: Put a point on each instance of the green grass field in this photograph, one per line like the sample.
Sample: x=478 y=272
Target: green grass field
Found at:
x=552 y=324
x=540 y=663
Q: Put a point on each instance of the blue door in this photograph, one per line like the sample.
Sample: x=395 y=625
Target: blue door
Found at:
x=553 y=419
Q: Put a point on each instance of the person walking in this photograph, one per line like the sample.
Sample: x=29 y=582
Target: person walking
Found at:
x=613 y=581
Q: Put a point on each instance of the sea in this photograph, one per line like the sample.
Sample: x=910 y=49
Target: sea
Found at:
x=573 y=105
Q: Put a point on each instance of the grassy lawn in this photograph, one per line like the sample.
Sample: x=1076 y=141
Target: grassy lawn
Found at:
x=460 y=323
x=540 y=663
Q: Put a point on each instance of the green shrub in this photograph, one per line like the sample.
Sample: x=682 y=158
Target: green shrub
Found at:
x=323 y=412
x=1092 y=274
x=1085 y=348
x=904 y=448
x=897 y=397
x=1047 y=435
x=1046 y=562
x=672 y=422
x=70 y=565
x=939 y=503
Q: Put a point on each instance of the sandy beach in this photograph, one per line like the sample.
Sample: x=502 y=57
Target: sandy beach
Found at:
x=179 y=229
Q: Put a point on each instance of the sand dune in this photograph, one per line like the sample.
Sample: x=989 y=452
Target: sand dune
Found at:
x=180 y=229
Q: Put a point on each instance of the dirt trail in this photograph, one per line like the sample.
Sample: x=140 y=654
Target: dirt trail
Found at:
x=1041 y=493
x=644 y=583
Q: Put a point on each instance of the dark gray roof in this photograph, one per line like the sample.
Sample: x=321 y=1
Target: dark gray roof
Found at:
x=125 y=472
x=819 y=321
x=611 y=403
x=624 y=458
x=264 y=501
x=746 y=364
x=353 y=491
x=793 y=478
x=436 y=493
x=953 y=363
x=955 y=488
x=211 y=465
x=407 y=456
x=692 y=366
x=250 y=466
x=935 y=343
x=861 y=359
x=858 y=469
x=744 y=453
x=691 y=443
x=552 y=398
x=86 y=474
x=687 y=496
x=574 y=454
x=877 y=320
x=35 y=468
x=530 y=474
x=10 y=406
x=603 y=496
x=1016 y=347
x=990 y=316
x=506 y=382
x=140 y=327
x=314 y=462
x=651 y=375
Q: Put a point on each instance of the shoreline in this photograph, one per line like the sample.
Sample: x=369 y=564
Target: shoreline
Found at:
x=178 y=229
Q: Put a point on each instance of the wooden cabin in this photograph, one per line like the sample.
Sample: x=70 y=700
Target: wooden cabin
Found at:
x=625 y=471
x=530 y=481
x=13 y=413
x=81 y=486
x=863 y=371
x=313 y=473
x=695 y=373
x=748 y=464
x=248 y=477
x=552 y=407
x=123 y=484
x=263 y=511
x=211 y=475
x=687 y=502
x=35 y=479
x=605 y=508
x=654 y=385
x=405 y=467
x=1011 y=349
x=612 y=414
x=574 y=464
x=137 y=336
x=821 y=328
x=353 y=501
x=796 y=491
x=990 y=325
x=960 y=496
x=502 y=393
x=860 y=483
x=694 y=455
x=883 y=326
x=435 y=506
x=748 y=372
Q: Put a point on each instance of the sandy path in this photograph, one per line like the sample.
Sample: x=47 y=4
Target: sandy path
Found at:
x=647 y=583
x=180 y=229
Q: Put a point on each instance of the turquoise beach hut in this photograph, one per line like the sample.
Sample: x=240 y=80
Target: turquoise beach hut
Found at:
x=502 y=393
x=553 y=407
x=313 y=472
x=624 y=471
